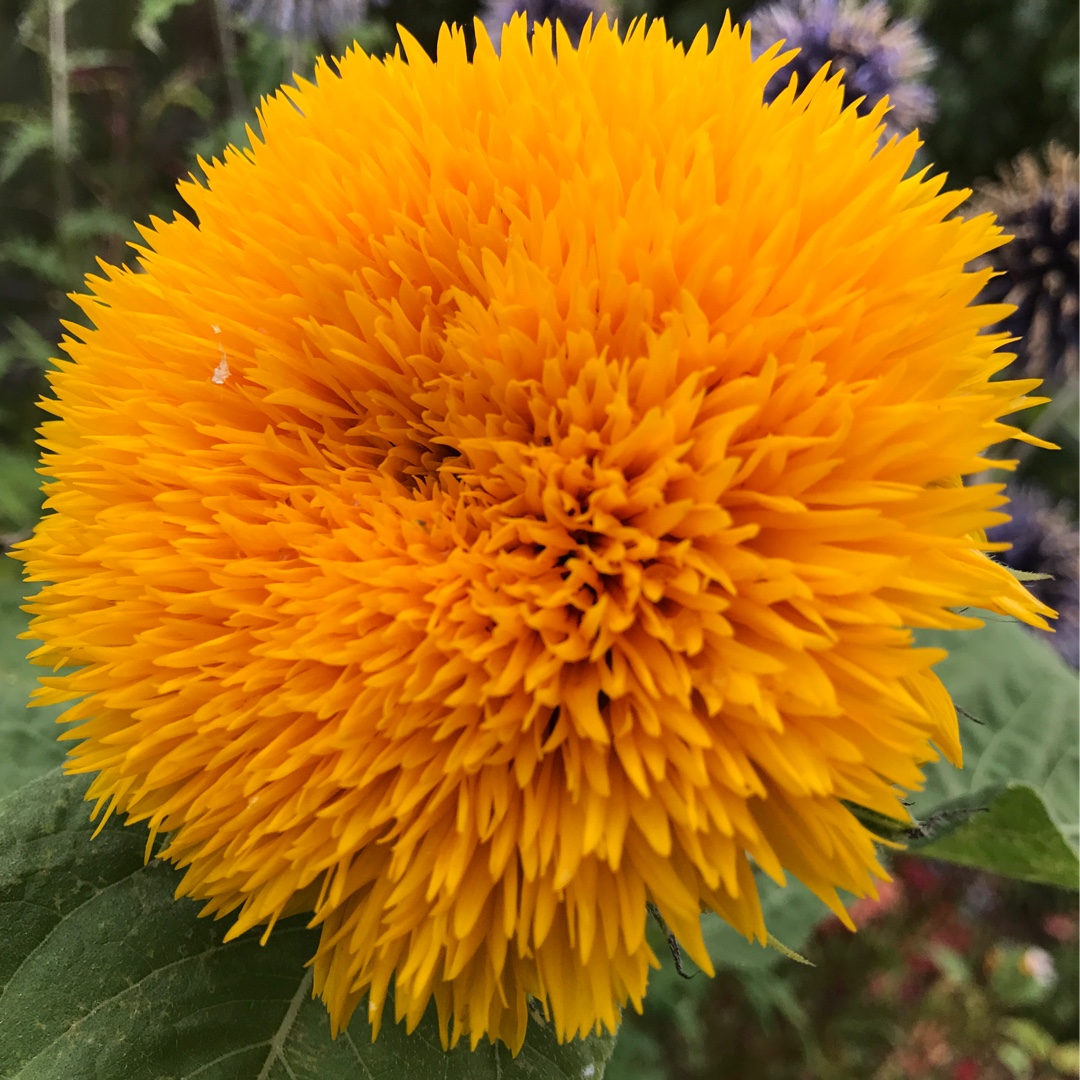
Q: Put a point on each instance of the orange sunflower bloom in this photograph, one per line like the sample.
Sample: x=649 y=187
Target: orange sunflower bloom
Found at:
x=510 y=504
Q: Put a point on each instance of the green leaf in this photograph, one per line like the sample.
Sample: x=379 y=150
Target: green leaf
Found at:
x=179 y=90
x=94 y=222
x=27 y=736
x=1015 y=837
x=30 y=137
x=150 y=16
x=24 y=345
x=45 y=262
x=20 y=492
x=1021 y=758
x=1028 y=575
x=104 y=976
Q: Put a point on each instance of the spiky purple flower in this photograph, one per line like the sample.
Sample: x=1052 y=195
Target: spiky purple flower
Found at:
x=1038 y=269
x=1044 y=541
x=878 y=56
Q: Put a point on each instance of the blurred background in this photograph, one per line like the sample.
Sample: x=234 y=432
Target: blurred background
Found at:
x=106 y=104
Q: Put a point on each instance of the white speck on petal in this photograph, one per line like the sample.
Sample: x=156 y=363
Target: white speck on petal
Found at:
x=216 y=329
x=221 y=372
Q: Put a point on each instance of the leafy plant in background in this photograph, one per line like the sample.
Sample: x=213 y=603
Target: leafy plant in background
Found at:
x=148 y=88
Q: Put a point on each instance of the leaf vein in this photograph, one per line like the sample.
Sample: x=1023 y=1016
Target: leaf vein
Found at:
x=359 y=1058
x=277 y=1043
x=59 y=921
x=224 y=1057
x=79 y=1021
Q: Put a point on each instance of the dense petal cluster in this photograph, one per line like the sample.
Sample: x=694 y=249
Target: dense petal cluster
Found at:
x=509 y=505
x=1039 y=271
x=879 y=56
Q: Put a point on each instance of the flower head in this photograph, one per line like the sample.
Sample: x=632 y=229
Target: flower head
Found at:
x=519 y=516
x=1042 y=540
x=879 y=57
x=573 y=14
x=1039 y=270
x=302 y=18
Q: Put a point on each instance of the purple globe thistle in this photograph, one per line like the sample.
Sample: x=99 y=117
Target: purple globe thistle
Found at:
x=878 y=57
x=1038 y=268
x=573 y=14
x=1044 y=541
x=301 y=18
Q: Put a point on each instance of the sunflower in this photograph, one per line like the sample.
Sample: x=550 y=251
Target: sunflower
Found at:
x=509 y=506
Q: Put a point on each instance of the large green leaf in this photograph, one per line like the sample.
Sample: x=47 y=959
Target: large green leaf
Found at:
x=1013 y=835
x=104 y=976
x=1013 y=808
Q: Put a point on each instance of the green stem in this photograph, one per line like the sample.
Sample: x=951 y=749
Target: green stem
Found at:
x=227 y=49
x=60 y=107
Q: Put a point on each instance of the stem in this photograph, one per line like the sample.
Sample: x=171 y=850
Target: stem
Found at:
x=227 y=48
x=60 y=106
